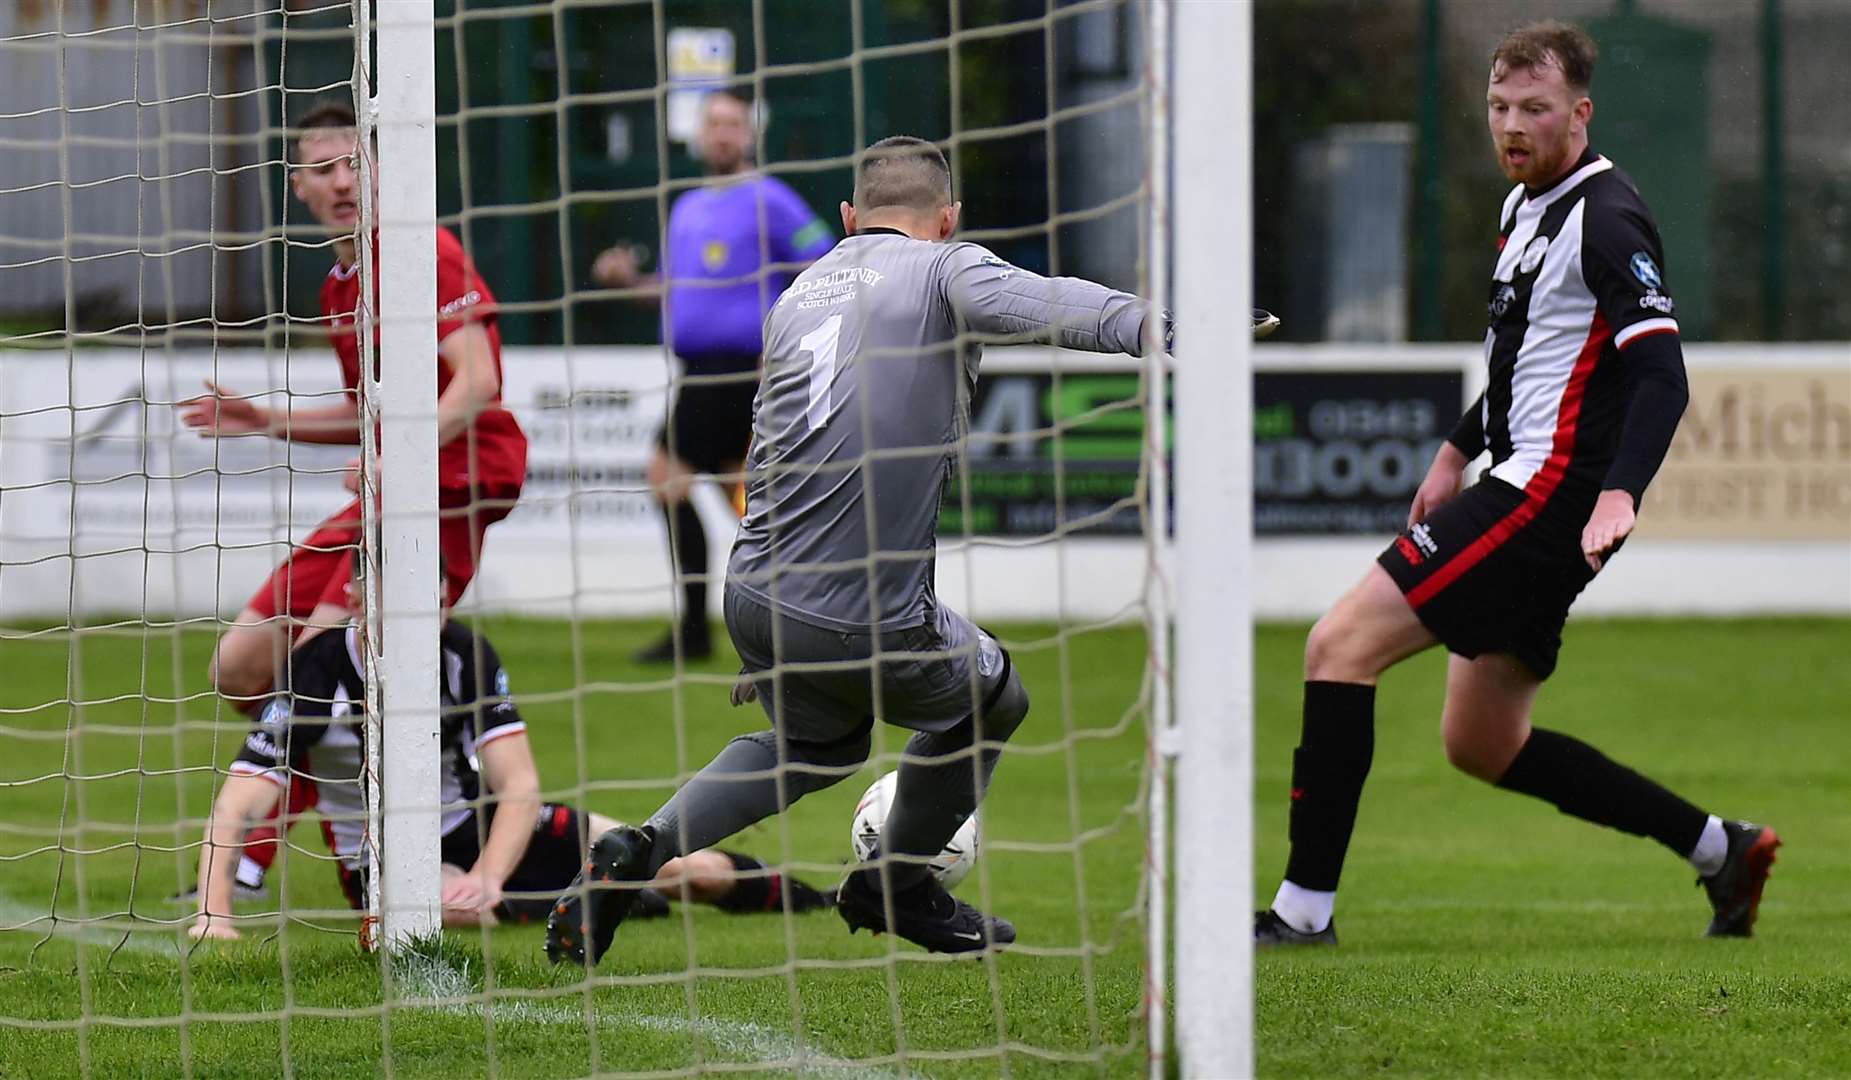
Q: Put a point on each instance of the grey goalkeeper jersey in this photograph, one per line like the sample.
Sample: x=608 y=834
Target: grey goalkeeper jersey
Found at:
x=870 y=359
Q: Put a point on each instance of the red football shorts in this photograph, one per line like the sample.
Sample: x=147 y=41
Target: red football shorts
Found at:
x=319 y=569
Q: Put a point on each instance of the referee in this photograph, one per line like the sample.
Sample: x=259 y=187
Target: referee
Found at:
x=1586 y=386
x=733 y=246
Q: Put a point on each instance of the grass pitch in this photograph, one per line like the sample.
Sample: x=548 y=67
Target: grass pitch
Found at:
x=1483 y=933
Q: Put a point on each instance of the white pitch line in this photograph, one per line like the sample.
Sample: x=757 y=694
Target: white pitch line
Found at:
x=22 y=919
x=432 y=980
x=741 y=1041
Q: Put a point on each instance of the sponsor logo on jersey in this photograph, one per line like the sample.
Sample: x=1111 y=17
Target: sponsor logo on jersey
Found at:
x=1646 y=270
x=713 y=255
x=261 y=744
x=473 y=296
x=1409 y=552
x=1657 y=301
x=851 y=274
x=1533 y=255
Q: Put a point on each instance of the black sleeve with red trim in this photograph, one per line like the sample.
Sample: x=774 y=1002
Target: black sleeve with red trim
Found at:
x=1660 y=393
x=1469 y=433
x=1623 y=263
x=1624 y=267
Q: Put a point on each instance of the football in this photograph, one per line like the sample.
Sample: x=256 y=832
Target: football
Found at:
x=951 y=865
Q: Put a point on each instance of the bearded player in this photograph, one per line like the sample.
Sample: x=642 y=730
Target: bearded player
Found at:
x=1585 y=389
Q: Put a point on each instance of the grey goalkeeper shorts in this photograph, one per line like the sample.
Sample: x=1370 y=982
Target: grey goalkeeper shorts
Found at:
x=820 y=685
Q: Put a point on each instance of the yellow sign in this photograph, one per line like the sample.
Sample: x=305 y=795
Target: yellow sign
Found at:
x=1760 y=455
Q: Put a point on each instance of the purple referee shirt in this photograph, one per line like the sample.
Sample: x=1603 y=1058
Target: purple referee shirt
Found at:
x=723 y=276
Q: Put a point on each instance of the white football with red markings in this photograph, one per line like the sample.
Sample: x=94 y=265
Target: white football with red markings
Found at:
x=951 y=865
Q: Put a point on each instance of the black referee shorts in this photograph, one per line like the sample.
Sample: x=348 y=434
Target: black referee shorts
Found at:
x=1495 y=571
x=710 y=422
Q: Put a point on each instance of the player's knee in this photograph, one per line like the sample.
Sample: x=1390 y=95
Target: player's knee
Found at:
x=1324 y=648
x=237 y=676
x=708 y=876
x=823 y=762
x=1476 y=754
x=1006 y=708
x=847 y=753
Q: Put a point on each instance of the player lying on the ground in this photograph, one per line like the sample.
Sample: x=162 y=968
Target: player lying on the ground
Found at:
x=1586 y=386
x=506 y=854
x=870 y=358
x=482 y=455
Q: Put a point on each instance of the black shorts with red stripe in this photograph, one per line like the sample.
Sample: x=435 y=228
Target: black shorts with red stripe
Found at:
x=1493 y=572
x=553 y=857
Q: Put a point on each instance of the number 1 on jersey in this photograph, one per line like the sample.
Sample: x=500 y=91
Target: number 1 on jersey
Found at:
x=821 y=343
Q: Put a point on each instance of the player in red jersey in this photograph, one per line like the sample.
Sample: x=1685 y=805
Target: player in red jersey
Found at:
x=483 y=455
x=483 y=452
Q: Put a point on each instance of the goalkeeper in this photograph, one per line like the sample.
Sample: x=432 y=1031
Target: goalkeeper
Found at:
x=506 y=856
x=870 y=359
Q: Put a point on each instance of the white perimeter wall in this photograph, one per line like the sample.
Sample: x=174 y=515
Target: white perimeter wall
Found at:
x=170 y=524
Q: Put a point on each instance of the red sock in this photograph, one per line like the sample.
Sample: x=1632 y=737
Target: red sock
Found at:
x=263 y=842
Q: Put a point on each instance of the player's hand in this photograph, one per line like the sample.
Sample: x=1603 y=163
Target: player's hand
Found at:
x=350 y=476
x=617 y=267
x=1443 y=480
x=745 y=690
x=1611 y=522
x=223 y=412
x=207 y=927
x=473 y=891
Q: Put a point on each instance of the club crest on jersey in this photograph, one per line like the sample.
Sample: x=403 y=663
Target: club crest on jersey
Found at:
x=989 y=656
x=1501 y=299
x=1533 y=255
x=991 y=260
x=1646 y=270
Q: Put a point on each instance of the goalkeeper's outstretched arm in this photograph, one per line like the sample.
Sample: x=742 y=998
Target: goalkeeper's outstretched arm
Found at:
x=1002 y=302
x=995 y=299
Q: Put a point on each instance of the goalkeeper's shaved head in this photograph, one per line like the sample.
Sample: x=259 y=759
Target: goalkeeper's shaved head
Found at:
x=902 y=173
x=903 y=184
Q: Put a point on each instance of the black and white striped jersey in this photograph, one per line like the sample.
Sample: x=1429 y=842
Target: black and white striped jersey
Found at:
x=311 y=727
x=1580 y=280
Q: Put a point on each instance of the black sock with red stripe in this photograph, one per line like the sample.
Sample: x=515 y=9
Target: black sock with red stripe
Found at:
x=1328 y=770
x=1581 y=781
x=755 y=890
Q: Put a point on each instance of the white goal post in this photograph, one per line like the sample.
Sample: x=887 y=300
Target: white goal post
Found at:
x=1212 y=234
x=405 y=605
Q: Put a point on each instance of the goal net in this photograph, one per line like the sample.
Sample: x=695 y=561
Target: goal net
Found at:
x=183 y=264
